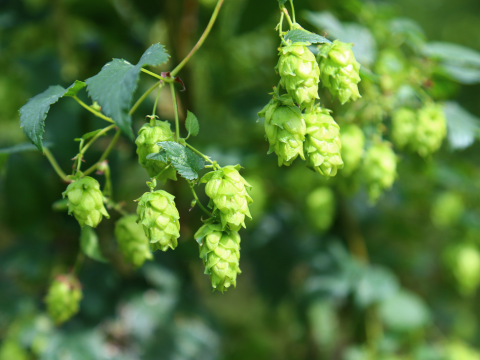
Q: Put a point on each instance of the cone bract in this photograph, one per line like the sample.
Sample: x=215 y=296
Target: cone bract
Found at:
x=285 y=129
x=132 y=242
x=430 y=131
x=322 y=143
x=404 y=122
x=353 y=143
x=160 y=219
x=85 y=201
x=339 y=70
x=63 y=298
x=228 y=195
x=148 y=137
x=220 y=252
x=379 y=169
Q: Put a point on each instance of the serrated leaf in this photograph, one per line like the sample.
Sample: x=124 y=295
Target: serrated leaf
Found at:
x=89 y=244
x=184 y=160
x=91 y=134
x=75 y=88
x=191 y=124
x=23 y=147
x=160 y=156
x=299 y=35
x=463 y=127
x=113 y=87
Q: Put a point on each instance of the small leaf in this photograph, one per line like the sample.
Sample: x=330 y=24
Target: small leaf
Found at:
x=75 y=88
x=463 y=127
x=89 y=244
x=191 y=124
x=305 y=36
x=184 y=160
x=91 y=134
x=160 y=156
x=23 y=147
x=60 y=205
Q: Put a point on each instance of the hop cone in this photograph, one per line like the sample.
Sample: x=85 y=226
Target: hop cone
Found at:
x=299 y=73
x=226 y=189
x=339 y=70
x=132 y=241
x=322 y=143
x=379 y=167
x=159 y=216
x=353 y=143
x=404 y=122
x=447 y=209
x=220 y=252
x=464 y=262
x=321 y=208
x=148 y=137
x=63 y=298
x=285 y=129
x=85 y=201
x=430 y=130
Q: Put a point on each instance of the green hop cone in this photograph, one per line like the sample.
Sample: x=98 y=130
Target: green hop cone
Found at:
x=63 y=298
x=148 y=137
x=464 y=262
x=339 y=70
x=220 y=252
x=322 y=143
x=447 y=209
x=379 y=169
x=353 y=144
x=85 y=201
x=321 y=208
x=228 y=195
x=430 y=131
x=285 y=129
x=404 y=122
x=160 y=219
x=299 y=73
x=132 y=242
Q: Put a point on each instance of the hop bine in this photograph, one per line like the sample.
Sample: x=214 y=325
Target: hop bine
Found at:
x=63 y=298
x=379 y=169
x=132 y=242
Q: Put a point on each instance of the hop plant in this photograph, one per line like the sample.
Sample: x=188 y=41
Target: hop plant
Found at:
x=322 y=143
x=220 y=252
x=339 y=70
x=321 y=208
x=63 y=298
x=148 y=137
x=132 y=241
x=160 y=219
x=228 y=195
x=379 y=169
x=447 y=209
x=299 y=73
x=464 y=262
x=430 y=131
x=404 y=122
x=285 y=129
x=353 y=144
x=85 y=201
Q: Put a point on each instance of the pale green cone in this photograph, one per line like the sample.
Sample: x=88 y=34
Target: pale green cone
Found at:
x=132 y=241
x=160 y=219
x=322 y=143
x=148 y=137
x=339 y=70
x=85 y=201
x=299 y=73
x=404 y=123
x=379 y=169
x=285 y=129
x=321 y=208
x=228 y=195
x=353 y=147
x=447 y=209
x=63 y=298
x=220 y=252
x=430 y=131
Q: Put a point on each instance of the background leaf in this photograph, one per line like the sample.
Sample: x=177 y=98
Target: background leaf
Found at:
x=299 y=35
x=89 y=244
x=191 y=124
x=184 y=160
x=23 y=147
x=463 y=127
x=404 y=311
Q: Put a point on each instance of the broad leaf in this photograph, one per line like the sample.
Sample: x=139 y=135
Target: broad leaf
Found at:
x=463 y=127
x=184 y=160
x=160 y=156
x=75 y=88
x=305 y=36
x=23 y=147
x=404 y=312
x=113 y=87
x=462 y=74
x=89 y=244
x=452 y=53
x=191 y=124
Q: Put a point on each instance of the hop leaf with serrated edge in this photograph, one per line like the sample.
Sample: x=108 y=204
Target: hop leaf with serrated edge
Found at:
x=339 y=70
x=285 y=129
x=299 y=73
x=148 y=137
x=220 y=252
x=353 y=143
x=85 y=201
x=404 y=122
x=228 y=195
x=132 y=242
x=63 y=298
x=322 y=143
x=379 y=169
x=430 y=131
x=160 y=219
x=321 y=208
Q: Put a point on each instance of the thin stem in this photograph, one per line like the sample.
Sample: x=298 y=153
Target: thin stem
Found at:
x=157 y=76
x=161 y=172
x=85 y=148
x=280 y=25
x=105 y=154
x=94 y=112
x=115 y=206
x=198 y=202
x=143 y=97
x=285 y=11
x=78 y=263
x=206 y=158
x=156 y=100
x=293 y=11
x=201 y=40
x=107 y=190
x=175 y=107
x=55 y=165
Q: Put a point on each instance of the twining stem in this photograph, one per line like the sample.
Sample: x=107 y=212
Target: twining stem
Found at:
x=107 y=190
x=161 y=172
x=55 y=165
x=280 y=25
x=158 y=76
x=143 y=97
x=85 y=148
x=201 y=40
x=198 y=201
x=175 y=107
x=105 y=154
x=156 y=100
x=115 y=206
x=206 y=158
x=285 y=11
x=94 y=112
x=293 y=11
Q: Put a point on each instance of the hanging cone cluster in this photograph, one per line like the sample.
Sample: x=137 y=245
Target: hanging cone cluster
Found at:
x=353 y=148
x=379 y=169
x=132 y=242
x=404 y=122
x=63 y=298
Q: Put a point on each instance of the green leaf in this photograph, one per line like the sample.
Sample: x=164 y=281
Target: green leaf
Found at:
x=89 y=244
x=452 y=53
x=463 y=127
x=160 y=156
x=191 y=124
x=184 y=160
x=23 y=147
x=75 y=88
x=60 y=205
x=404 y=311
x=299 y=35
x=113 y=87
